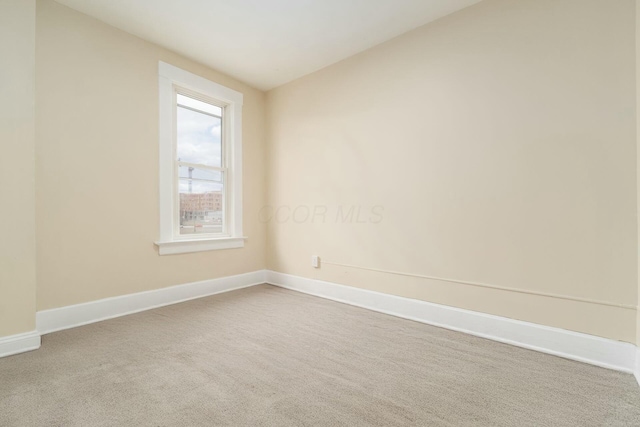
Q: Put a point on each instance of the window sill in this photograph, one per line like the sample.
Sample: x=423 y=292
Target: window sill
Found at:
x=199 y=245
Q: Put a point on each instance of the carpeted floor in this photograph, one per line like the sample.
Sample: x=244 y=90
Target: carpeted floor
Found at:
x=265 y=356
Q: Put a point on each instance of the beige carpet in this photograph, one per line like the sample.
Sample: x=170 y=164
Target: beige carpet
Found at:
x=265 y=356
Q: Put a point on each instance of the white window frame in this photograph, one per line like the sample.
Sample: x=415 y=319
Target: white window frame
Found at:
x=171 y=79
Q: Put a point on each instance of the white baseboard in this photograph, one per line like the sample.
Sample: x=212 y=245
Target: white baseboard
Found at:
x=568 y=344
x=559 y=342
x=19 y=343
x=637 y=371
x=57 y=319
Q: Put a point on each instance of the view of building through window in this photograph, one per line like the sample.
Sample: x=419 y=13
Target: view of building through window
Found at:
x=200 y=166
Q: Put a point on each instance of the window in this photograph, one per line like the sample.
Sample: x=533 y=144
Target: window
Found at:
x=200 y=164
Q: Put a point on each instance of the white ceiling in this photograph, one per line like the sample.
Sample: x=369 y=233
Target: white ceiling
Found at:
x=267 y=43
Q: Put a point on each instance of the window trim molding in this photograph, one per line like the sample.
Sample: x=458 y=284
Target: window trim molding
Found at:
x=199 y=245
x=170 y=76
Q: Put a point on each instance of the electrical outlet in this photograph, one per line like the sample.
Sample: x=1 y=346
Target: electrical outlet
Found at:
x=315 y=261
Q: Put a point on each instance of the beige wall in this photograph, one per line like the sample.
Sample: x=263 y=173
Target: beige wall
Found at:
x=17 y=223
x=500 y=143
x=638 y=157
x=97 y=165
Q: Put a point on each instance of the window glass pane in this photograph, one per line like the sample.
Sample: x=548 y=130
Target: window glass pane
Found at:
x=201 y=207
x=199 y=105
x=198 y=138
x=200 y=174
